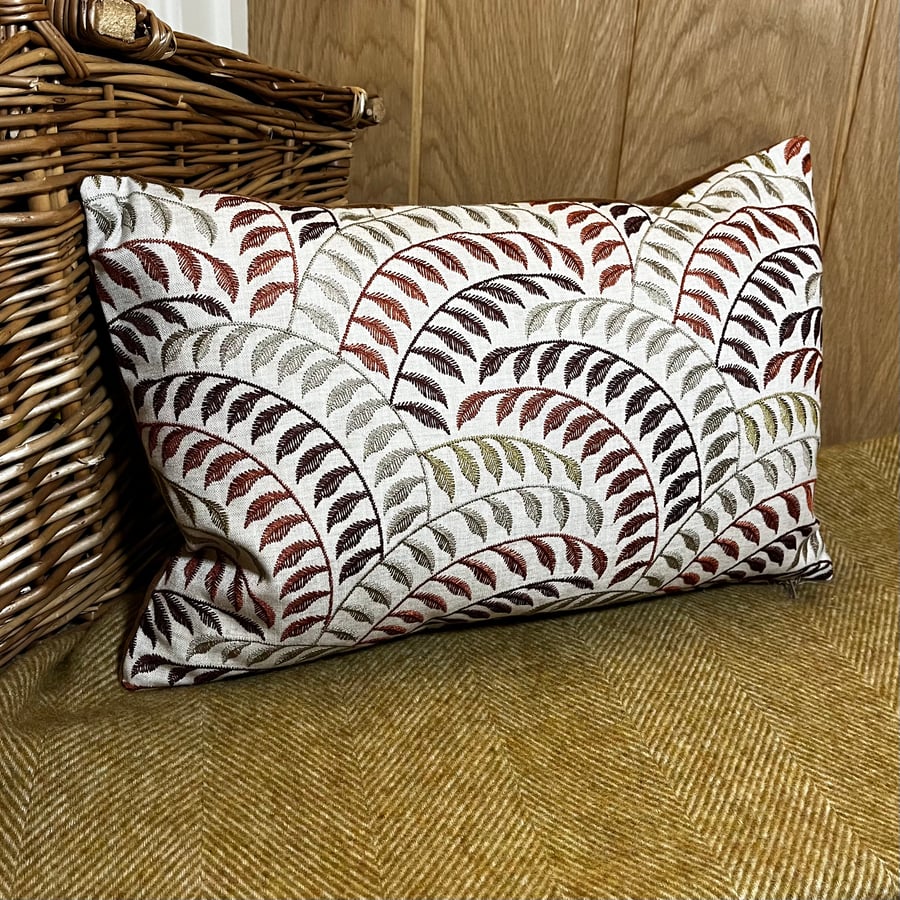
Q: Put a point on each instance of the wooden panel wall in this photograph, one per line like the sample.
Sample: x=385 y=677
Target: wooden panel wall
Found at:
x=523 y=99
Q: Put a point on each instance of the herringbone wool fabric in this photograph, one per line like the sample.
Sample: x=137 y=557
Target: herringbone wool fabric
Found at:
x=732 y=743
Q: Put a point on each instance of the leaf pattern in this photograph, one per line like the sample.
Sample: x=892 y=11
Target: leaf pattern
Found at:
x=373 y=422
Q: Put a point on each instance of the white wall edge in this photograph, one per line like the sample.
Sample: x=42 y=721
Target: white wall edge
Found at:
x=222 y=22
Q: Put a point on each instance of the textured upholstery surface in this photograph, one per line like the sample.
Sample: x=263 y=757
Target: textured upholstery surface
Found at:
x=730 y=743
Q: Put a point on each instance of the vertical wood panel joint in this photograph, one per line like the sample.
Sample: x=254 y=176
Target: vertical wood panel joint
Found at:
x=418 y=99
x=851 y=102
x=628 y=82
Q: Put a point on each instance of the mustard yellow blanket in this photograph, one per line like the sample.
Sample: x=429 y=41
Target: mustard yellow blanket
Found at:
x=733 y=743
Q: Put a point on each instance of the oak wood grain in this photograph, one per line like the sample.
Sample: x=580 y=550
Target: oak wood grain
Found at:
x=714 y=80
x=862 y=282
x=369 y=43
x=523 y=99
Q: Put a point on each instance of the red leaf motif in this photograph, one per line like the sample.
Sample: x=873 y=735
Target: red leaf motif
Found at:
x=704 y=301
x=300 y=580
x=596 y=442
x=730 y=547
x=611 y=275
x=152 y=263
x=709 y=564
x=574 y=553
x=448 y=260
x=748 y=530
x=379 y=331
x=604 y=250
x=264 y=611
x=532 y=407
x=432 y=601
x=407 y=285
x=622 y=481
x=514 y=560
x=735 y=244
x=782 y=222
x=793 y=506
x=509 y=248
x=573 y=218
x=117 y=272
x=301 y=626
x=413 y=617
x=391 y=307
x=793 y=147
x=243 y=483
x=711 y=280
x=611 y=462
x=545 y=554
x=190 y=570
x=476 y=250
x=369 y=357
x=594 y=230
x=599 y=561
x=265 y=262
x=470 y=407
x=557 y=417
x=246 y=216
x=426 y=270
x=257 y=237
x=483 y=572
x=268 y=295
x=304 y=602
x=721 y=258
x=264 y=505
x=171 y=443
x=578 y=426
x=221 y=466
x=456 y=586
x=292 y=555
x=631 y=550
x=770 y=516
x=189 y=264
x=697 y=325
x=279 y=529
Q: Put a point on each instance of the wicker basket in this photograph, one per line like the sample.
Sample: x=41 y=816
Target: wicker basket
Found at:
x=78 y=513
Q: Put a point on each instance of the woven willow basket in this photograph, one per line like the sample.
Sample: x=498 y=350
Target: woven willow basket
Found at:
x=79 y=515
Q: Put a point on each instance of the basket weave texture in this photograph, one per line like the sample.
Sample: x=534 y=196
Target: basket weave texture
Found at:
x=79 y=514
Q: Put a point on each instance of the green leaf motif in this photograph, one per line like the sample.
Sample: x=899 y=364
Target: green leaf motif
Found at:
x=468 y=465
x=332 y=290
x=392 y=463
x=341 y=395
x=491 y=459
x=205 y=224
x=293 y=361
x=501 y=513
x=532 y=506
x=751 y=429
x=323 y=320
x=404 y=520
x=266 y=351
x=443 y=474
x=401 y=490
x=444 y=538
x=561 y=507
x=379 y=438
x=363 y=414
x=475 y=522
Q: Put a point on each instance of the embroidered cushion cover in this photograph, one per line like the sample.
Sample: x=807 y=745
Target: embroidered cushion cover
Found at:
x=370 y=422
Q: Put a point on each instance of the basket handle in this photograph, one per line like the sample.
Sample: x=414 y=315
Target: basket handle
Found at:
x=19 y=14
x=123 y=26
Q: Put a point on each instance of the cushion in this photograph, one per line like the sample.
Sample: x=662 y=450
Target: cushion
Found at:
x=371 y=422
